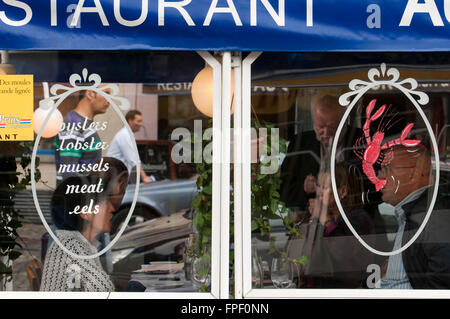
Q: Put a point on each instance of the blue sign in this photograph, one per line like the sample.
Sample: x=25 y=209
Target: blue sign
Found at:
x=231 y=25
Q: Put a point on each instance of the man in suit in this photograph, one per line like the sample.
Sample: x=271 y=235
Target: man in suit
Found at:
x=310 y=151
x=409 y=188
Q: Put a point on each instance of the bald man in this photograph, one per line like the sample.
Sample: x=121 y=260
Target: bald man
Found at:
x=409 y=187
x=326 y=114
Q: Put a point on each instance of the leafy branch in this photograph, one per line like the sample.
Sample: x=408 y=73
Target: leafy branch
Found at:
x=297 y=262
x=12 y=182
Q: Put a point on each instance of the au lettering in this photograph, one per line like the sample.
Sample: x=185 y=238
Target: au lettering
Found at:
x=428 y=7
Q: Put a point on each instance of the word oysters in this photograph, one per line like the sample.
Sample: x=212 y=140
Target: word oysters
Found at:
x=112 y=97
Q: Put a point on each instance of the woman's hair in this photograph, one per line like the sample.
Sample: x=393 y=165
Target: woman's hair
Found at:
x=65 y=199
x=350 y=176
x=64 y=202
x=116 y=175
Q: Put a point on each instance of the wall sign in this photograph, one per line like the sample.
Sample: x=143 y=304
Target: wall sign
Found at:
x=118 y=103
x=16 y=108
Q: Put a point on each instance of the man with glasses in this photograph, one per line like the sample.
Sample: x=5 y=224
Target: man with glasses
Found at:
x=409 y=188
x=309 y=152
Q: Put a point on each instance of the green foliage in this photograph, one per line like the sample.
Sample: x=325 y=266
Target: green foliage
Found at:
x=265 y=201
x=297 y=262
x=12 y=182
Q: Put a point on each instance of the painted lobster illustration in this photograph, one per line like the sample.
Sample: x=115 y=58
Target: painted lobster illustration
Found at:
x=373 y=153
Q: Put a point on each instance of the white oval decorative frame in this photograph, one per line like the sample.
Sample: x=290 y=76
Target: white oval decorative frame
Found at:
x=359 y=88
x=49 y=103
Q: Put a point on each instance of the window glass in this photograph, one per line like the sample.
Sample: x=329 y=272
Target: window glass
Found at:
x=86 y=176
x=366 y=231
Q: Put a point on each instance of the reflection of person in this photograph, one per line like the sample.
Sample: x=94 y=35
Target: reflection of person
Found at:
x=426 y=263
x=350 y=186
x=116 y=175
x=122 y=146
x=116 y=171
x=78 y=232
x=77 y=130
x=336 y=258
x=310 y=151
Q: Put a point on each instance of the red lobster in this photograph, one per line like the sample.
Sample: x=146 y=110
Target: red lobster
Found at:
x=373 y=151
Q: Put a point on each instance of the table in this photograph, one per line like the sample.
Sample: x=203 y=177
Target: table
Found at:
x=175 y=282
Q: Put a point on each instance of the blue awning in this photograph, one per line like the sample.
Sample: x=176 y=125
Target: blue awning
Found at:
x=225 y=25
x=152 y=67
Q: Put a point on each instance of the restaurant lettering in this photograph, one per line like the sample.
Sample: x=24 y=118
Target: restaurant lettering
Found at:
x=429 y=7
x=275 y=9
x=276 y=12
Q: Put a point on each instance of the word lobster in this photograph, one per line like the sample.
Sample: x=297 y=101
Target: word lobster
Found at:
x=372 y=153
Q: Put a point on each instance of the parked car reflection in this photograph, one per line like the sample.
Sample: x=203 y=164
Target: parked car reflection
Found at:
x=174 y=189
x=156 y=199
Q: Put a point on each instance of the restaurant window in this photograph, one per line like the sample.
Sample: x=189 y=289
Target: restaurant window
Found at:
x=86 y=176
x=346 y=192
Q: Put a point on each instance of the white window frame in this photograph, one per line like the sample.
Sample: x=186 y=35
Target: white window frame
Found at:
x=220 y=205
x=242 y=211
x=220 y=221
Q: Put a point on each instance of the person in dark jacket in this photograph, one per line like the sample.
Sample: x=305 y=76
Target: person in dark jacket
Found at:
x=309 y=152
x=409 y=188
